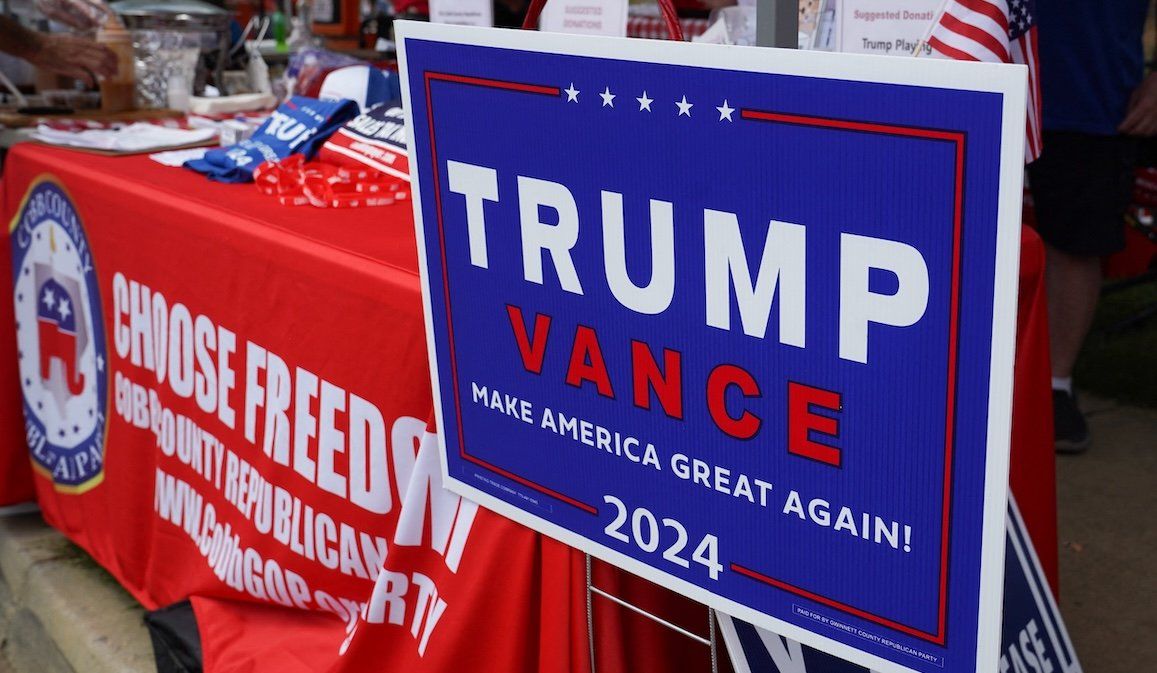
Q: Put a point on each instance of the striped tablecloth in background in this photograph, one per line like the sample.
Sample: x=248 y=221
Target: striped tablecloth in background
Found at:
x=652 y=27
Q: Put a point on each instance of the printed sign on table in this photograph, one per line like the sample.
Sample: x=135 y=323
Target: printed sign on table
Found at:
x=739 y=321
x=1034 y=635
x=462 y=12
x=887 y=27
x=585 y=17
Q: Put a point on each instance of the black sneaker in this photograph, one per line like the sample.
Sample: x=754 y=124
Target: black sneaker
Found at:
x=1072 y=433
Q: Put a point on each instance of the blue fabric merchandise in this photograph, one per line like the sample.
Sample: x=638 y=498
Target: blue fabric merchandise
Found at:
x=299 y=126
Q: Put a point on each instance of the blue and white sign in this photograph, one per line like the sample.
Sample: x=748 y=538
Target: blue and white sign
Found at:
x=1034 y=636
x=738 y=320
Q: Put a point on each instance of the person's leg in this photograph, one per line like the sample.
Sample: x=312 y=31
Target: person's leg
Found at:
x=1073 y=284
x=1081 y=186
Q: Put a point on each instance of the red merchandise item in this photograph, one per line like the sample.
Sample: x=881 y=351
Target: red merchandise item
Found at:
x=324 y=185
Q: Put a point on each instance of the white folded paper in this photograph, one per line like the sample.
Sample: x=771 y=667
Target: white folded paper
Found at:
x=244 y=102
x=138 y=137
x=176 y=158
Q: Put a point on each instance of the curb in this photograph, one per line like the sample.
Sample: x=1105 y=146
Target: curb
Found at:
x=59 y=611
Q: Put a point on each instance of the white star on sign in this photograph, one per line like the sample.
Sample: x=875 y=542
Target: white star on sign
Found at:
x=100 y=363
x=571 y=94
x=725 y=111
x=608 y=97
x=644 y=102
x=49 y=298
x=684 y=107
x=64 y=309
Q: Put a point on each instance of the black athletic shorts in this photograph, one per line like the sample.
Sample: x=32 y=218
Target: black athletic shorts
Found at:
x=1081 y=186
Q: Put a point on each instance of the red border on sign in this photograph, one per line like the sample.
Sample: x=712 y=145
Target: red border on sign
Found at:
x=955 y=137
x=493 y=84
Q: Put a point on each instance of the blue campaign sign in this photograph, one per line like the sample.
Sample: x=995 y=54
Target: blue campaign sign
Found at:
x=1034 y=638
x=737 y=320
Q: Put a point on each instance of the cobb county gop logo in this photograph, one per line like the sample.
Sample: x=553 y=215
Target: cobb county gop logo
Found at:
x=60 y=338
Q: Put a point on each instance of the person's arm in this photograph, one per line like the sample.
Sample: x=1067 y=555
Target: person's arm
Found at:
x=17 y=40
x=1141 y=117
x=62 y=54
x=82 y=15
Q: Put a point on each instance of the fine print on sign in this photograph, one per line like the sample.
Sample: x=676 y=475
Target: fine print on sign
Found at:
x=1034 y=638
x=739 y=321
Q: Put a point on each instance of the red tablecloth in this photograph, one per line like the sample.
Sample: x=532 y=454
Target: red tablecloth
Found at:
x=1032 y=471
x=325 y=311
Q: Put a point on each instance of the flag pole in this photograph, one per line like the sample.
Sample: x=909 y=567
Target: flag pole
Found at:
x=918 y=50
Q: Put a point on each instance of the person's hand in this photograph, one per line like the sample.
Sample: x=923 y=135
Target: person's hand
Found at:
x=1141 y=119
x=82 y=15
x=73 y=57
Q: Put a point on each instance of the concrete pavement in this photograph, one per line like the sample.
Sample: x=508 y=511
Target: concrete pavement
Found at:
x=59 y=611
x=1107 y=509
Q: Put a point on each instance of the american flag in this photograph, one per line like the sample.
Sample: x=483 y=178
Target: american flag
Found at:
x=1000 y=31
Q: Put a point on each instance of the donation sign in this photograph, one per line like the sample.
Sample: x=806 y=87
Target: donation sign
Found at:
x=889 y=27
x=585 y=17
x=738 y=320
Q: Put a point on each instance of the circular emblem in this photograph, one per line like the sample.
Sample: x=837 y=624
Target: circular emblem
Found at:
x=60 y=338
